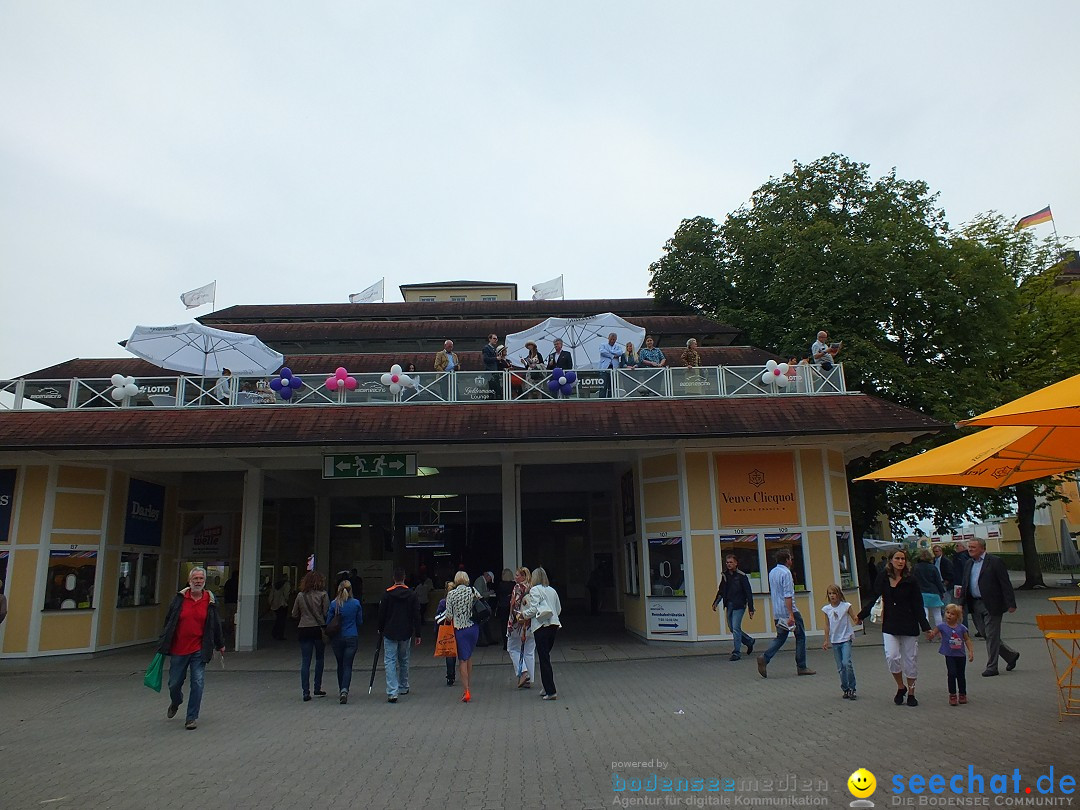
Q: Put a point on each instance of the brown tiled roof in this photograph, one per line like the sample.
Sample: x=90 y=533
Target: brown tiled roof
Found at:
x=90 y=368
x=458 y=330
x=628 y=308
x=491 y=424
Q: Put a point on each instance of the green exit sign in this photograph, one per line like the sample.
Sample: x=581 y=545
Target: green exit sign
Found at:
x=370 y=465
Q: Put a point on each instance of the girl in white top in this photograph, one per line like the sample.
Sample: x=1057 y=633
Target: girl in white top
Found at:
x=841 y=618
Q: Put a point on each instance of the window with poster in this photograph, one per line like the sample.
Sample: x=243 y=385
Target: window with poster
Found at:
x=666 y=574
x=70 y=581
x=845 y=554
x=747 y=550
x=138 y=579
x=793 y=543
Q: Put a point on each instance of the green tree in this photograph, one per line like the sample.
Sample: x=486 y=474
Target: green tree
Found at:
x=930 y=318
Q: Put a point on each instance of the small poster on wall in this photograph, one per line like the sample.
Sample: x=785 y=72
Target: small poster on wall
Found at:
x=7 y=502
x=209 y=539
x=667 y=617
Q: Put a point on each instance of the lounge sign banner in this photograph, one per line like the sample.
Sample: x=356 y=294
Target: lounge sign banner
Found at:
x=7 y=502
x=757 y=490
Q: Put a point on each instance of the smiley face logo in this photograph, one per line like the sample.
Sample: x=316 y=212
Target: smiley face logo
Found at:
x=861 y=783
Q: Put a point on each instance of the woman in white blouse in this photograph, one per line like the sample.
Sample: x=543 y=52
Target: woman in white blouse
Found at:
x=542 y=608
x=459 y=607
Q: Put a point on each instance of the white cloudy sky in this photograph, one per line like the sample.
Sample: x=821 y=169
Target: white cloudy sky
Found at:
x=297 y=152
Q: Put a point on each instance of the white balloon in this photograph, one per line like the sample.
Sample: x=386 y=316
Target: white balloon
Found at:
x=395 y=369
x=562 y=380
x=385 y=379
x=117 y=380
x=131 y=389
x=129 y=381
x=767 y=377
x=395 y=388
x=406 y=380
x=770 y=365
x=782 y=381
x=117 y=394
x=783 y=367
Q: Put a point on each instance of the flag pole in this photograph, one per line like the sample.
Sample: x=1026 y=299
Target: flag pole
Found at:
x=562 y=288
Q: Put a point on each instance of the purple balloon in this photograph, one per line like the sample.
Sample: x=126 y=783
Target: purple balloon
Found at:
x=553 y=385
x=285 y=372
x=295 y=382
x=567 y=389
x=275 y=384
x=285 y=393
x=571 y=377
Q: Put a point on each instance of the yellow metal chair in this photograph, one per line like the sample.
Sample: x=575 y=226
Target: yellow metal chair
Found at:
x=1062 y=634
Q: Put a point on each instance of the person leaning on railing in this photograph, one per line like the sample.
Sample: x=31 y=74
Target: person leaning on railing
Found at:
x=691 y=358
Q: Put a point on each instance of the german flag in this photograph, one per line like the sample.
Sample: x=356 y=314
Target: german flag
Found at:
x=1038 y=218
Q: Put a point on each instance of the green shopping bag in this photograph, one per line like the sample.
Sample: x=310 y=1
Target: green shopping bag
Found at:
x=153 y=672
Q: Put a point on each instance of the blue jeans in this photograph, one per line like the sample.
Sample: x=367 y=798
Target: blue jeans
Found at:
x=307 y=647
x=842 y=655
x=800 y=642
x=345 y=652
x=396 y=660
x=738 y=637
x=178 y=670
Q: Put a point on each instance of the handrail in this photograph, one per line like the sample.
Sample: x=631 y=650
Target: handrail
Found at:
x=709 y=382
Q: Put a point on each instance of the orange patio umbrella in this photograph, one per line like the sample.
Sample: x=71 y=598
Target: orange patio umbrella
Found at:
x=1057 y=405
x=994 y=458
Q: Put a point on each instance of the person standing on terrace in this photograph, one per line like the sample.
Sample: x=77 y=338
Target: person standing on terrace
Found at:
x=447 y=360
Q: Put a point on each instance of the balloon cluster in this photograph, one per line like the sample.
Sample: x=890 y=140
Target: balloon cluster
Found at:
x=341 y=379
x=562 y=380
x=285 y=383
x=776 y=373
x=395 y=379
x=123 y=387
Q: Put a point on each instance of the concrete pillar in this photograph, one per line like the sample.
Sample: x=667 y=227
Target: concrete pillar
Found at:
x=511 y=514
x=247 y=608
x=322 y=536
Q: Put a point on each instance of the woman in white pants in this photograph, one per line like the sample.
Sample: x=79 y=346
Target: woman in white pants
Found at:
x=520 y=643
x=902 y=617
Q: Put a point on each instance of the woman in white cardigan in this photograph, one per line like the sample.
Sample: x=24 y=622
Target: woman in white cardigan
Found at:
x=542 y=608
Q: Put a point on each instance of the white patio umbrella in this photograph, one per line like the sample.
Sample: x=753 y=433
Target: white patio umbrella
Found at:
x=198 y=349
x=582 y=337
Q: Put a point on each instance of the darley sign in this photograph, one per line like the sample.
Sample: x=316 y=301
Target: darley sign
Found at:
x=144 y=514
x=7 y=502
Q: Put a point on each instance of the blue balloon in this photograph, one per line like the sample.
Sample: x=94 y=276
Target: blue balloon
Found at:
x=275 y=384
x=571 y=377
x=295 y=382
x=285 y=372
x=553 y=385
x=286 y=393
x=567 y=389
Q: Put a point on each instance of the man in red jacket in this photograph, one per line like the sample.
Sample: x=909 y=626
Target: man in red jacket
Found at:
x=192 y=633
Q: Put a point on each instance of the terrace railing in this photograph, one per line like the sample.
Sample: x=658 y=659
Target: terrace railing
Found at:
x=430 y=387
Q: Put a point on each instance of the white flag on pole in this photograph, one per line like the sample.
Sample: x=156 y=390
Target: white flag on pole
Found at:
x=372 y=293
x=548 y=289
x=203 y=295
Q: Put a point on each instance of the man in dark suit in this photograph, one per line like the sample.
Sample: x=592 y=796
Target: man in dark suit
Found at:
x=560 y=358
x=959 y=561
x=989 y=595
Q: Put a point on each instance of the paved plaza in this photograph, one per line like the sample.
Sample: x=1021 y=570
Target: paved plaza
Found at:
x=85 y=733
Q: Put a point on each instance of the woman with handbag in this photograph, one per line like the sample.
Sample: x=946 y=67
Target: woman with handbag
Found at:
x=542 y=608
x=519 y=638
x=459 y=612
x=342 y=626
x=311 y=607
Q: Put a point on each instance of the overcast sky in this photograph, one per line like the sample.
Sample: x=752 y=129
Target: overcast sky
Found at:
x=299 y=152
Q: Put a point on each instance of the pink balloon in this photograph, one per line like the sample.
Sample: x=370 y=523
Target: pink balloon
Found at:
x=332 y=383
x=776 y=372
x=341 y=372
x=394 y=378
x=350 y=383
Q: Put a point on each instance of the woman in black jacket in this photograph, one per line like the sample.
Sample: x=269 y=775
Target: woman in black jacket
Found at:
x=737 y=596
x=902 y=617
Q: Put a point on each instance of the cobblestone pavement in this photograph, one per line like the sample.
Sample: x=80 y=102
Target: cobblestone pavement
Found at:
x=86 y=733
